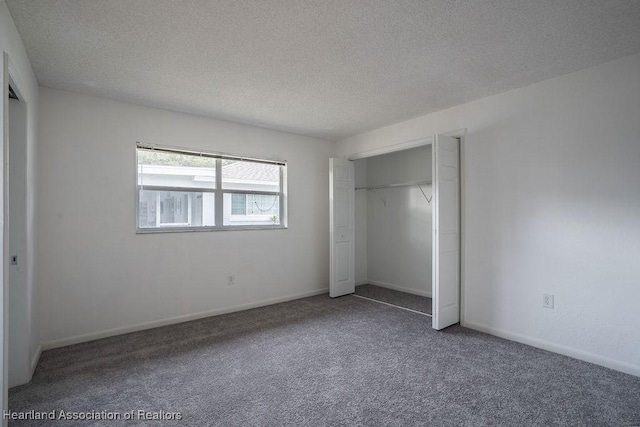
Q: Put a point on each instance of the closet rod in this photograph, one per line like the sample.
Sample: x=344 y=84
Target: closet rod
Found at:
x=404 y=184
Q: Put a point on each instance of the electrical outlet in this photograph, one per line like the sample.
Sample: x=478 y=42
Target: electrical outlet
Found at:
x=547 y=300
x=231 y=280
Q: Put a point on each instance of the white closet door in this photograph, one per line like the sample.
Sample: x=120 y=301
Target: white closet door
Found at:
x=342 y=227
x=446 y=231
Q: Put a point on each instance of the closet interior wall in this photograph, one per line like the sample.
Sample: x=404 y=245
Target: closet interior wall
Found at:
x=393 y=225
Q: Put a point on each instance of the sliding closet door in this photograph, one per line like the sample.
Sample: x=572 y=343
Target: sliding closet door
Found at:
x=446 y=231
x=342 y=227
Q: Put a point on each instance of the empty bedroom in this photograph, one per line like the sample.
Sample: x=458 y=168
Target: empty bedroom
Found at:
x=320 y=213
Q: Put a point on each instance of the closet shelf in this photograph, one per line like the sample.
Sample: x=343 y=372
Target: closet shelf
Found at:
x=404 y=184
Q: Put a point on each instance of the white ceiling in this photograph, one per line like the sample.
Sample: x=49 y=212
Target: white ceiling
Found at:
x=324 y=68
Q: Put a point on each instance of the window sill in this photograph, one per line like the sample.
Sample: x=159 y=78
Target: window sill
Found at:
x=201 y=229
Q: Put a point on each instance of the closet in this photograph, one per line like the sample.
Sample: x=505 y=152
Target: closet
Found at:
x=395 y=223
x=393 y=236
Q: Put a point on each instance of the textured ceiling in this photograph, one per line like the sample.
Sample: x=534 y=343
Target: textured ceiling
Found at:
x=323 y=68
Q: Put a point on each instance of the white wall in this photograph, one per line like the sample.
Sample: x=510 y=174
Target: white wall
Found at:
x=399 y=237
x=551 y=204
x=24 y=78
x=360 y=167
x=100 y=278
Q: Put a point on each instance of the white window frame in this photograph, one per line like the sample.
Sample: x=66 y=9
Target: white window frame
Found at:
x=218 y=192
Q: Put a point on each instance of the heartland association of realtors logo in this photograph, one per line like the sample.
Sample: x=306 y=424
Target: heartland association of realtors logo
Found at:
x=134 y=414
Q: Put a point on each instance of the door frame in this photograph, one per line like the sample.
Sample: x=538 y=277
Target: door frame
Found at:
x=4 y=317
x=9 y=75
x=461 y=134
x=16 y=221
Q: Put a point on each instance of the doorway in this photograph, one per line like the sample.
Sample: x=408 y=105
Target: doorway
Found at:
x=16 y=229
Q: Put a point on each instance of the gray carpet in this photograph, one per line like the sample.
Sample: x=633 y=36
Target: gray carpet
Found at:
x=401 y=299
x=327 y=362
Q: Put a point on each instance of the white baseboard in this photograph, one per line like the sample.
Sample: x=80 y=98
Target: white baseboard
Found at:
x=399 y=288
x=35 y=360
x=557 y=348
x=77 y=339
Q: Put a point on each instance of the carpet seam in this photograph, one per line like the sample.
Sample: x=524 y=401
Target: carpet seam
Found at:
x=393 y=305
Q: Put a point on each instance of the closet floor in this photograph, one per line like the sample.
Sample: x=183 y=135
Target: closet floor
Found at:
x=390 y=296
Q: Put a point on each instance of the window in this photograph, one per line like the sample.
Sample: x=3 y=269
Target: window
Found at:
x=254 y=204
x=180 y=190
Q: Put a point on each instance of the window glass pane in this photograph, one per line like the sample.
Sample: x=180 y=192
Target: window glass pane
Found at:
x=159 y=209
x=175 y=170
x=244 y=175
x=178 y=190
x=259 y=209
x=262 y=204
x=174 y=207
x=238 y=204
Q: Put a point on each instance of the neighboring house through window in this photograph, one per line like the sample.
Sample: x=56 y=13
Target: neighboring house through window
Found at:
x=183 y=190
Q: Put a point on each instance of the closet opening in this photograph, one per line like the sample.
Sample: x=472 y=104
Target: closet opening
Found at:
x=395 y=228
x=393 y=233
